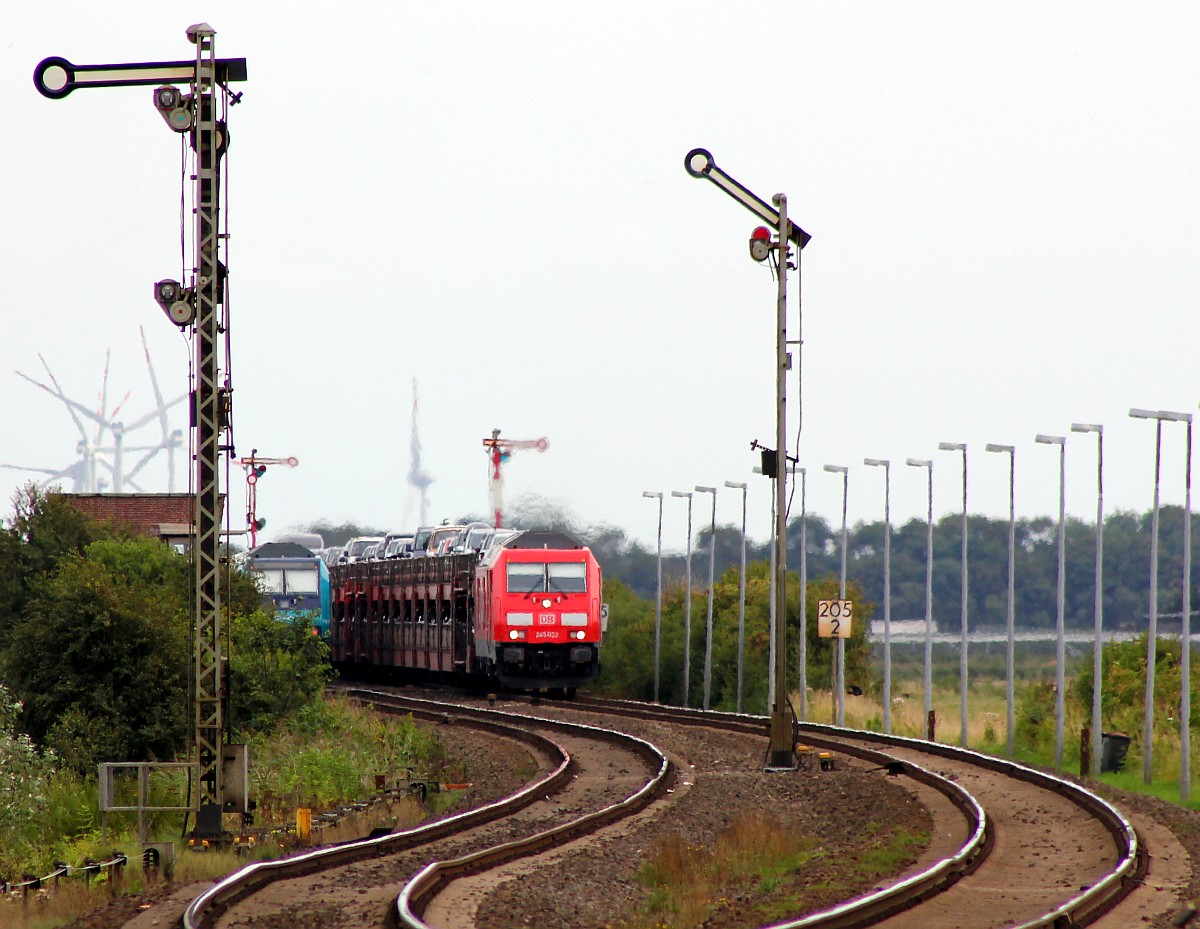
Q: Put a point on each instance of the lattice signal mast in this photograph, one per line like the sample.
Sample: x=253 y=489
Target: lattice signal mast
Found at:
x=198 y=307
x=255 y=467
x=499 y=451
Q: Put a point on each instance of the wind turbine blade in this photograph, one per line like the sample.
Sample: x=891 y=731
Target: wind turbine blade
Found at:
x=13 y=467
x=71 y=405
x=159 y=413
x=100 y=421
x=174 y=441
x=117 y=408
x=142 y=462
x=158 y=397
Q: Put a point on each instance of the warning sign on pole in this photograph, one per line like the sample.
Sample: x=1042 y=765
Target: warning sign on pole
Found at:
x=833 y=619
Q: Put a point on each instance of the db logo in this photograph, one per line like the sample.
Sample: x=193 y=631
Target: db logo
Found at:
x=545 y=619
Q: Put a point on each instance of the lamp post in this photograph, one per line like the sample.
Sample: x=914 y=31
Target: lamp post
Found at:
x=708 y=627
x=735 y=485
x=928 y=465
x=887 y=588
x=962 y=649
x=1009 y=619
x=1185 y=699
x=687 y=602
x=1159 y=416
x=657 y=495
x=803 y=677
x=839 y=684
x=1060 y=655
x=1098 y=604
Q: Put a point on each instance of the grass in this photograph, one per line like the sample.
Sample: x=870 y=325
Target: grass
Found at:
x=330 y=754
x=755 y=858
x=690 y=882
x=890 y=854
x=987 y=711
x=60 y=905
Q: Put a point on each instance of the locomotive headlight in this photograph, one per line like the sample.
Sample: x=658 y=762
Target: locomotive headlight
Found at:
x=546 y=604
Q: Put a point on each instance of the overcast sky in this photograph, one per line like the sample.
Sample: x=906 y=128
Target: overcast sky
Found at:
x=491 y=198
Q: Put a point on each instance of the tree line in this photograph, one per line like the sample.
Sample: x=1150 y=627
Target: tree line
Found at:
x=1126 y=566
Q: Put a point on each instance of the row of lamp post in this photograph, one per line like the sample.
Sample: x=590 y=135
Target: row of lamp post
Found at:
x=699 y=163
x=687 y=607
x=1158 y=416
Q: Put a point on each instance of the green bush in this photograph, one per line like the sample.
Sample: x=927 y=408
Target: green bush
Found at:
x=276 y=667
x=330 y=751
x=38 y=799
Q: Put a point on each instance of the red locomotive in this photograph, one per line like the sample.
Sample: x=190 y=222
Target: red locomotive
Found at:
x=525 y=614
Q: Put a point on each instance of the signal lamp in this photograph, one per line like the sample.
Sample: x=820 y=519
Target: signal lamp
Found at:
x=176 y=301
x=760 y=243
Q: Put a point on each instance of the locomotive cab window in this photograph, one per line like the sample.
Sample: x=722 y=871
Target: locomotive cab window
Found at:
x=526 y=577
x=272 y=580
x=539 y=577
x=567 y=577
x=302 y=581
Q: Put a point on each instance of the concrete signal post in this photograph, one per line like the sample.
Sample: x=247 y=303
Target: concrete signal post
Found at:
x=700 y=164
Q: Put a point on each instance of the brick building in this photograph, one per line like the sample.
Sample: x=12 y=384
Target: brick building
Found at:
x=161 y=516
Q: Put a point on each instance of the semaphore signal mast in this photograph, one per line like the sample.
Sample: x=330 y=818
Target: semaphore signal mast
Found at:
x=197 y=305
x=499 y=451
x=255 y=467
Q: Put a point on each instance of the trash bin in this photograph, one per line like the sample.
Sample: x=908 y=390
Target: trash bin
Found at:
x=1113 y=747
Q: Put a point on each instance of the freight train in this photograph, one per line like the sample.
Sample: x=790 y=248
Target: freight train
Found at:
x=526 y=614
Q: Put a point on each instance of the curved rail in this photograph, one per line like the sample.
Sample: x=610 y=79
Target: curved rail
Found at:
x=882 y=903
x=414 y=897
x=251 y=878
x=1086 y=905
x=228 y=891
x=1079 y=910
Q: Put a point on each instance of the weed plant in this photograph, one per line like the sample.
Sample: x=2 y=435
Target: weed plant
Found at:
x=756 y=858
x=331 y=752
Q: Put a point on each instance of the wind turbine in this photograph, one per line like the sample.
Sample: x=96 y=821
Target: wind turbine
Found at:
x=93 y=453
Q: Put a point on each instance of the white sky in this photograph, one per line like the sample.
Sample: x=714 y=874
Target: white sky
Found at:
x=491 y=197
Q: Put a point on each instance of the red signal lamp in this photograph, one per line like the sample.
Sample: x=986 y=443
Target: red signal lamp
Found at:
x=760 y=243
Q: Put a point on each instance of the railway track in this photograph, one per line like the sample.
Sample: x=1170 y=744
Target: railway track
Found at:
x=1061 y=855
x=588 y=777
x=1011 y=846
x=1057 y=855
